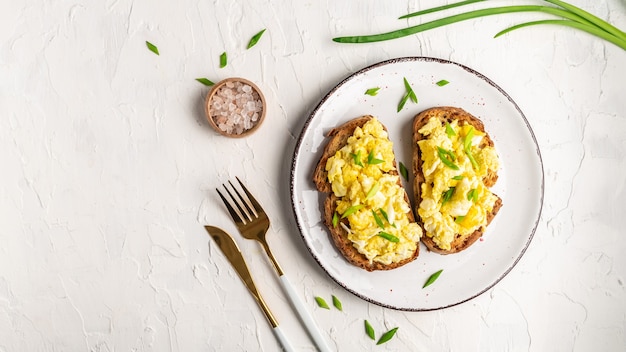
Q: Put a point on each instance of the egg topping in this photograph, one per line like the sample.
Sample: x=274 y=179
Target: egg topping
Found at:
x=370 y=198
x=455 y=199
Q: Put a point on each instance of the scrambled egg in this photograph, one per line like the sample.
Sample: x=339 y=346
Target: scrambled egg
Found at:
x=370 y=198
x=454 y=197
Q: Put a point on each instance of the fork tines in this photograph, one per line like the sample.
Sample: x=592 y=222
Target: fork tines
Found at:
x=246 y=207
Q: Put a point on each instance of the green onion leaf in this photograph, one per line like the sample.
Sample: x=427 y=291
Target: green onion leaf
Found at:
x=372 y=91
x=443 y=82
x=372 y=192
x=337 y=303
x=255 y=39
x=410 y=91
x=353 y=209
x=432 y=278
x=458 y=177
x=387 y=336
x=335 y=219
x=372 y=160
x=389 y=237
x=321 y=302
x=467 y=147
x=447 y=158
x=357 y=158
x=459 y=219
x=379 y=222
x=207 y=82
x=449 y=130
x=472 y=195
x=403 y=171
x=403 y=102
x=369 y=330
x=439 y=8
x=152 y=47
x=386 y=217
x=223 y=60
x=447 y=195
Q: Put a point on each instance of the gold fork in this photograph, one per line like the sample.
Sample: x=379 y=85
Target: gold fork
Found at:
x=253 y=223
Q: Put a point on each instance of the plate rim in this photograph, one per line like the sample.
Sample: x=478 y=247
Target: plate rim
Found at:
x=361 y=71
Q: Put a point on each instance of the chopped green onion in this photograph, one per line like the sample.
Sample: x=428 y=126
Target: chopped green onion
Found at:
x=379 y=222
x=255 y=39
x=207 y=82
x=409 y=89
x=372 y=91
x=459 y=219
x=389 y=237
x=372 y=160
x=357 y=158
x=386 y=217
x=439 y=8
x=403 y=171
x=387 y=336
x=472 y=195
x=458 y=177
x=369 y=330
x=403 y=102
x=443 y=82
x=152 y=47
x=467 y=147
x=223 y=60
x=447 y=195
x=372 y=192
x=432 y=278
x=353 y=209
x=449 y=130
x=335 y=219
x=321 y=302
x=447 y=158
x=337 y=303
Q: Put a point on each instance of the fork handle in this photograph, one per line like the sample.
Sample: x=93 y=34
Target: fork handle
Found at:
x=304 y=314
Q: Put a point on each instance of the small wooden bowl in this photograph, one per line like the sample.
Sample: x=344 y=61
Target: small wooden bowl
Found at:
x=209 y=99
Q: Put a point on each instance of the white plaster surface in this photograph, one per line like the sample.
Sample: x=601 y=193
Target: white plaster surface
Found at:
x=108 y=171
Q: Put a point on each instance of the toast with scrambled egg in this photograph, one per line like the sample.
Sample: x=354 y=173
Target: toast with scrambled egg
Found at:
x=367 y=210
x=454 y=163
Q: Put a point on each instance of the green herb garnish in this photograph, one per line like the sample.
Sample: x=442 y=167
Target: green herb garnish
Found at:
x=403 y=171
x=223 y=60
x=472 y=195
x=467 y=148
x=443 y=82
x=372 y=192
x=389 y=237
x=449 y=130
x=255 y=39
x=410 y=94
x=372 y=91
x=458 y=177
x=372 y=160
x=357 y=158
x=321 y=302
x=387 y=336
x=369 y=330
x=571 y=16
x=207 y=82
x=459 y=219
x=379 y=222
x=152 y=47
x=337 y=303
x=353 y=209
x=386 y=217
x=447 y=158
x=447 y=195
x=335 y=219
x=432 y=278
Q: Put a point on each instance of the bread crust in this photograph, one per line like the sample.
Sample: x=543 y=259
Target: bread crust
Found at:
x=337 y=138
x=449 y=114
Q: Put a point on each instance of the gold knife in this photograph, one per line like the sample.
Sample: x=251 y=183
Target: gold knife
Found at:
x=229 y=247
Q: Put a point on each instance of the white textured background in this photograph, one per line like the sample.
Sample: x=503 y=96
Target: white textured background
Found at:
x=108 y=172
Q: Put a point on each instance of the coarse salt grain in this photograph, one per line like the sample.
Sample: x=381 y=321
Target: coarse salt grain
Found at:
x=235 y=107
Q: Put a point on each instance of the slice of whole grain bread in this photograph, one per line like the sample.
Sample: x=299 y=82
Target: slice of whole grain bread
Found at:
x=449 y=114
x=337 y=138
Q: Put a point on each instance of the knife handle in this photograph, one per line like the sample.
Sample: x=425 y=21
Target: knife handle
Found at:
x=304 y=314
x=282 y=339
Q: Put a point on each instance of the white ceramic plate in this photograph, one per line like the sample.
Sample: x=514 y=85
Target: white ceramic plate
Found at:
x=469 y=273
